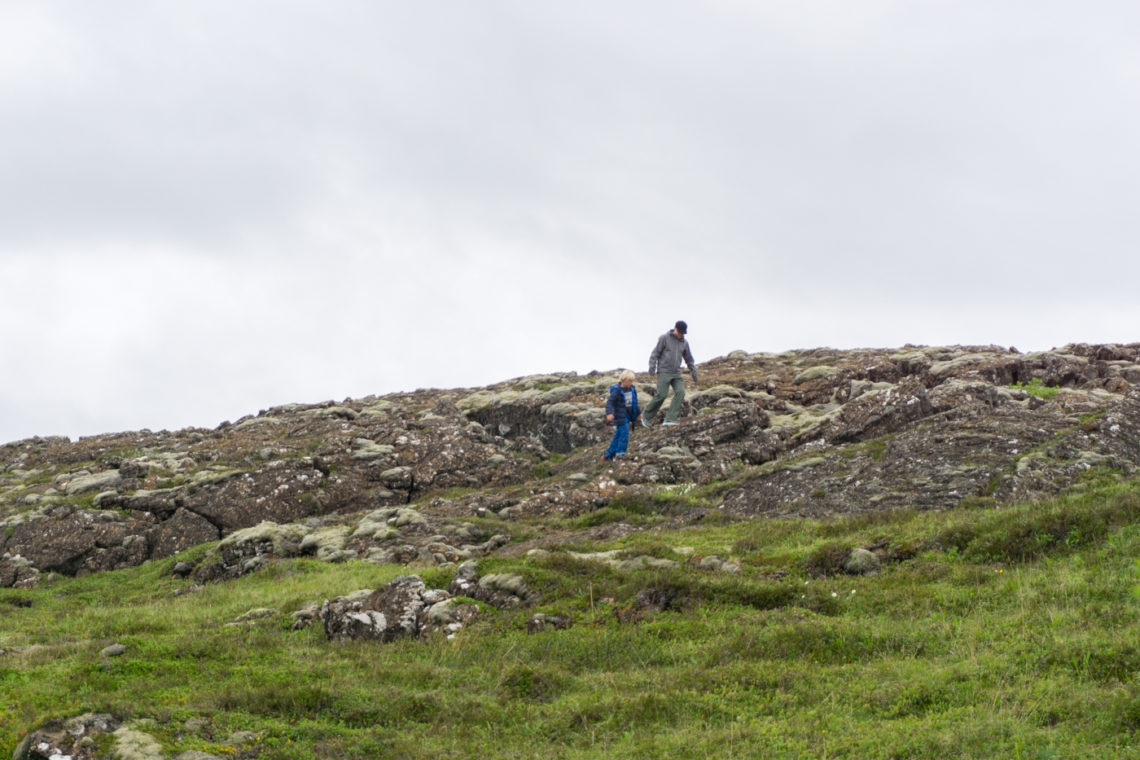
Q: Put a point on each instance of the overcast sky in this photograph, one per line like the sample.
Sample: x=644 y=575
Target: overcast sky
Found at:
x=209 y=208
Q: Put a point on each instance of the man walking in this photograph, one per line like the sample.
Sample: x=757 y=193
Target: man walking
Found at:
x=665 y=362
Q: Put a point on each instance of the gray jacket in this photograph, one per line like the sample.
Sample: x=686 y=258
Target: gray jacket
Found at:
x=668 y=353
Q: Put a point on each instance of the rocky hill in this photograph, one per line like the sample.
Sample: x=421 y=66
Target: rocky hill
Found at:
x=444 y=476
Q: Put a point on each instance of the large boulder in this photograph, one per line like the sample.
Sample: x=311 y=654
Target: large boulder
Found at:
x=182 y=531
x=16 y=571
x=400 y=603
x=404 y=608
x=503 y=590
x=250 y=549
x=73 y=737
x=282 y=491
x=69 y=540
x=99 y=481
x=879 y=412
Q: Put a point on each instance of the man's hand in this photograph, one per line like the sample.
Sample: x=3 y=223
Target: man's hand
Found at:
x=609 y=418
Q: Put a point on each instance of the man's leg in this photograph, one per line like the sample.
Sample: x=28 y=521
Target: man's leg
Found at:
x=657 y=400
x=678 y=384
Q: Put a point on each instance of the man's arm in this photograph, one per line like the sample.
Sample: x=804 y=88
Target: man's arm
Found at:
x=656 y=355
x=688 y=355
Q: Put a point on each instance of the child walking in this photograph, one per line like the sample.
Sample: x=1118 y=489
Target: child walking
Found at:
x=621 y=410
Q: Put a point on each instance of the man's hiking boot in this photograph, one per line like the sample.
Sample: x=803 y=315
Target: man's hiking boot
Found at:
x=644 y=422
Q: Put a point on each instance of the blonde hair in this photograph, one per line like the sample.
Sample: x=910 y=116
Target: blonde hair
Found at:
x=625 y=375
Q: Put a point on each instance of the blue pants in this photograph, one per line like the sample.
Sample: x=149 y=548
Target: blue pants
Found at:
x=620 y=442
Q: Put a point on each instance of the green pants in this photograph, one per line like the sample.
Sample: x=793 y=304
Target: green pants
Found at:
x=665 y=380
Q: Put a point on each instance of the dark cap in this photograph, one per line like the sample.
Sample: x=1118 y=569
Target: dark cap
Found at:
x=681 y=327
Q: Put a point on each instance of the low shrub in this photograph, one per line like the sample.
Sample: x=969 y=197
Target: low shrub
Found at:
x=532 y=683
x=1030 y=532
x=827 y=560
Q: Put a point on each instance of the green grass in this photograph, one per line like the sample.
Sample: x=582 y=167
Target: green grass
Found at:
x=1036 y=387
x=1003 y=633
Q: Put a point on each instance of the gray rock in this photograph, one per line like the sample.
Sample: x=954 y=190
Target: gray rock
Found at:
x=718 y=564
x=106 y=499
x=862 y=562
x=16 y=571
x=397 y=477
x=541 y=623
x=134 y=744
x=303 y=618
x=258 y=613
x=674 y=452
x=367 y=449
x=400 y=602
x=114 y=650
x=183 y=530
x=642 y=562
x=91 y=723
x=406 y=517
x=70 y=540
x=447 y=617
x=94 y=482
x=503 y=590
x=195 y=724
x=341 y=623
x=21 y=752
x=241 y=737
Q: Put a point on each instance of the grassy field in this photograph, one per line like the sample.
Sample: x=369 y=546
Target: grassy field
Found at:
x=997 y=633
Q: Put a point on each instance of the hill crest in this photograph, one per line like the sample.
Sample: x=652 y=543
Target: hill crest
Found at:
x=405 y=477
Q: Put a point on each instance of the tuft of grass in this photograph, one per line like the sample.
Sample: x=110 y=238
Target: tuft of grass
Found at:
x=826 y=560
x=532 y=683
x=636 y=509
x=1036 y=387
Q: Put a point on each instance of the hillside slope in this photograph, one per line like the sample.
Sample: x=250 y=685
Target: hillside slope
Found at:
x=891 y=543
x=807 y=433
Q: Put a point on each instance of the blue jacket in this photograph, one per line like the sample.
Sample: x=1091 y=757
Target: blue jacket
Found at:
x=615 y=405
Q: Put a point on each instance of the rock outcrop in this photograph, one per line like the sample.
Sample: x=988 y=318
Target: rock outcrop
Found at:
x=439 y=476
x=404 y=608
